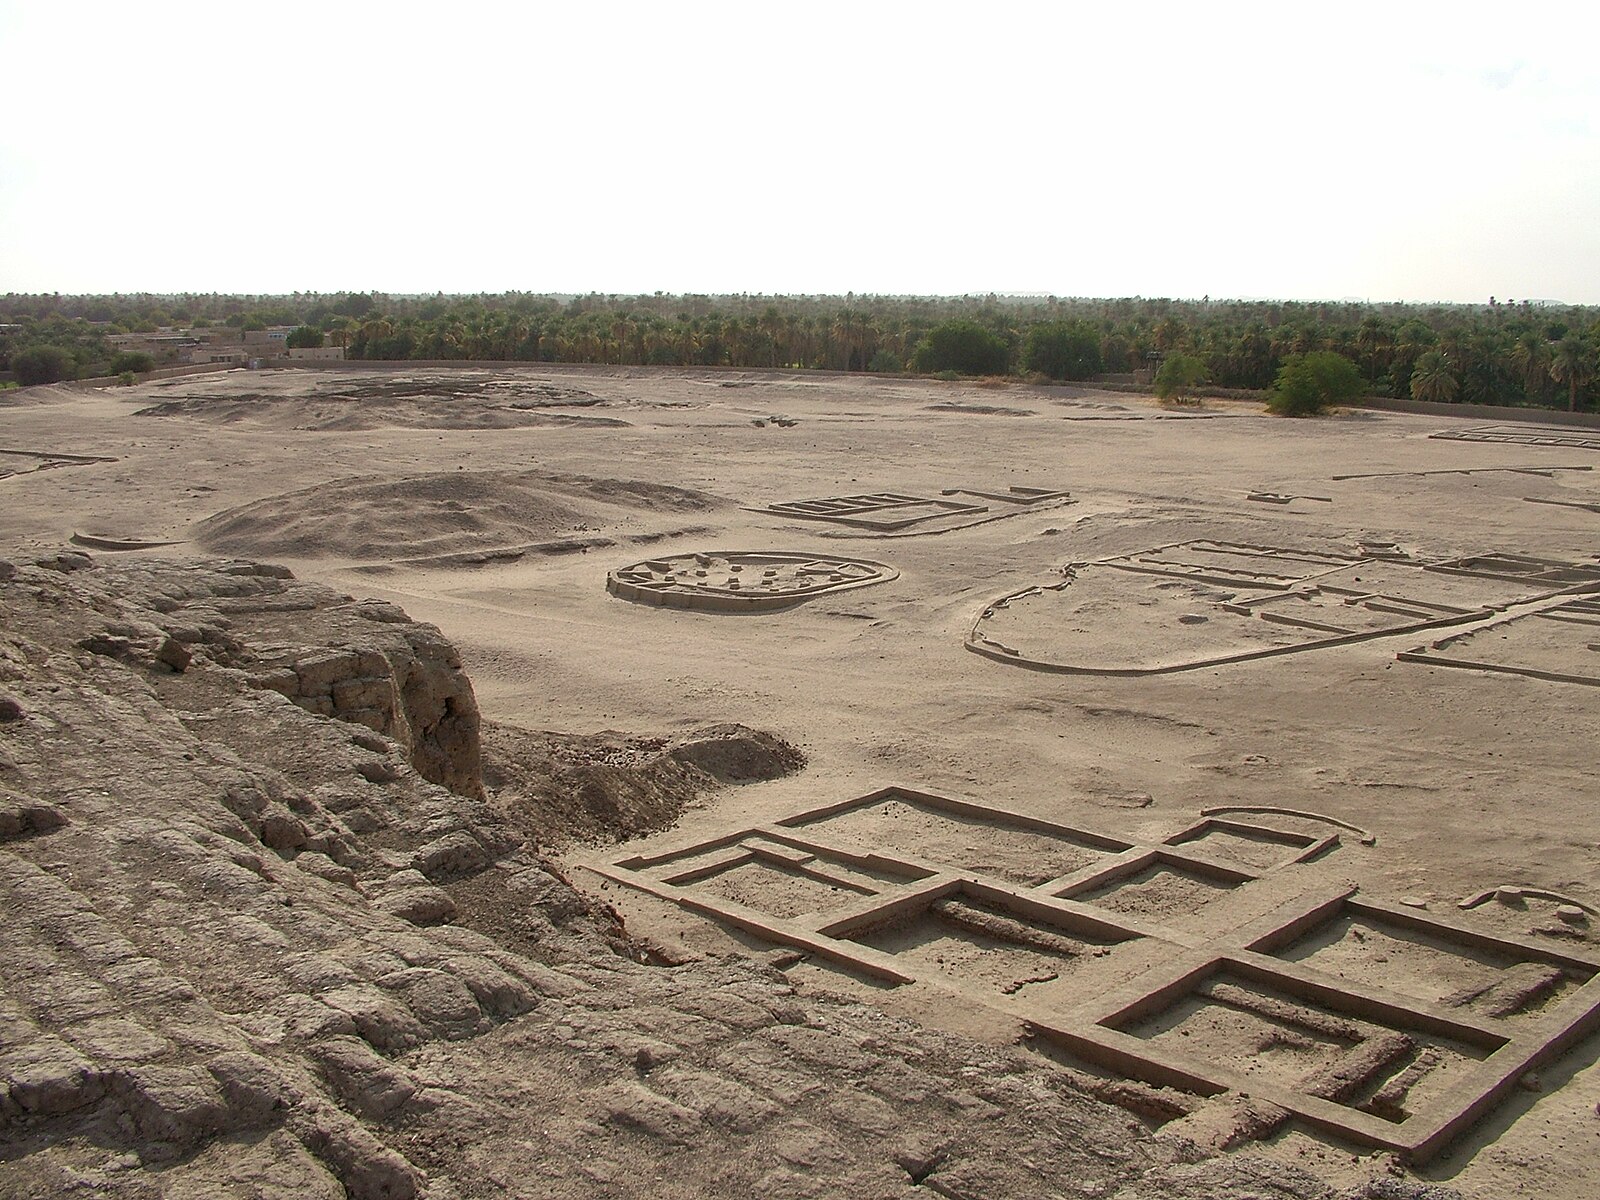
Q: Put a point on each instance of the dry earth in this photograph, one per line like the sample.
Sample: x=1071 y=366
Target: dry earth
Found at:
x=273 y=927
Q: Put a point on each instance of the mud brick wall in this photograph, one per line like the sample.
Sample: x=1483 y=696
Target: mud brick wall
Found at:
x=407 y=684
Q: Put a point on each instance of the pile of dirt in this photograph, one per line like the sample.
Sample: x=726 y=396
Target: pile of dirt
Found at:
x=987 y=410
x=732 y=753
x=379 y=518
x=42 y=394
x=557 y=788
x=356 y=401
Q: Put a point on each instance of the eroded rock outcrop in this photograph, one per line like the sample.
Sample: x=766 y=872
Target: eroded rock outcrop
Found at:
x=404 y=681
x=365 y=662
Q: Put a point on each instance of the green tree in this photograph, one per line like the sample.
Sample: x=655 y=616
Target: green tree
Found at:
x=1410 y=340
x=41 y=364
x=1432 y=379
x=1310 y=383
x=355 y=304
x=1374 y=342
x=962 y=346
x=1062 y=350
x=304 y=337
x=1179 y=376
x=1572 y=362
x=1170 y=333
x=1531 y=357
x=136 y=361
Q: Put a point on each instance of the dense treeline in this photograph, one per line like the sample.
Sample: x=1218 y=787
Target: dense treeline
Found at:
x=1500 y=353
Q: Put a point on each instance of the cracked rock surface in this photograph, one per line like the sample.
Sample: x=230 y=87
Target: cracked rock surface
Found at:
x=264 y=937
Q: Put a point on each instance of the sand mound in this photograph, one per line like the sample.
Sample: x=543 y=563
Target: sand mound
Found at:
x=608 y=786
x=42 y=394
x=735 y=754
x=438 y=514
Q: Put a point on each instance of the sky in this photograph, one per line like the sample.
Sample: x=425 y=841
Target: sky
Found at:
x=1395 y=151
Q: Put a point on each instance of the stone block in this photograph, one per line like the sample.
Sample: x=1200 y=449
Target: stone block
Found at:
x=47 y=1077
x=371 y=663
x=634 y=1106
x=452 y=855
x=318 y=672
x=279 y=679
x=280 y=831
x=380 y=1017
x=364 y=691
x=173 y=653
x=176 y=1104
x=119 y=1040
x=364 y=1081
x=379 y=770
x=379 y=720
x=28 y=818
x=440 y=1001
x=497 y=992
x=424 y=905
x=323 y=866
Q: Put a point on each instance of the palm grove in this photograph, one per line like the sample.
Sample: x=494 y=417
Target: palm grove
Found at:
x=1499 y=353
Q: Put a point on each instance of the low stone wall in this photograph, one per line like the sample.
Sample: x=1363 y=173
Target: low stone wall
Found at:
x=503 y=364
x=1482 y=412
x=159 y=373
x=1115 y=384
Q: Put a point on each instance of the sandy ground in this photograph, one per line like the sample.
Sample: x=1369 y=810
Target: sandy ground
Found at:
x=482 y=508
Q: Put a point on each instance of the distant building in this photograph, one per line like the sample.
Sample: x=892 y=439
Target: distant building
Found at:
x=172 y=345
x=219 y=345
x=163 y=343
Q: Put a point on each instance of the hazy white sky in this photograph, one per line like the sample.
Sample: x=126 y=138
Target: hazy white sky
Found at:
x=1380 y=151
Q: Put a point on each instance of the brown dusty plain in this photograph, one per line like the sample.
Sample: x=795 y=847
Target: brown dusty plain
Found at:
x=495 y=503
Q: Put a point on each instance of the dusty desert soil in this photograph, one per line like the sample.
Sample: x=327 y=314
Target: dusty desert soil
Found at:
x=494 y=504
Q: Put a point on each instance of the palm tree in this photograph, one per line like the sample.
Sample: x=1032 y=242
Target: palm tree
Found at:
x=793 y=332
x=843 y=335
x=1431 y=379
x=1531 y=354
x=1374 y=343
x=1572 y=363
x=864 y=337
x=621 y=331
x=771 y=324
x=378 y=330
x=1170 y=334
x=1411 y=341
x=1257 y=363
x=735 y=335
x=1485 y=367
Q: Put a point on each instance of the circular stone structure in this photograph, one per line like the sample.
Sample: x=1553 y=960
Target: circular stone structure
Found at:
x=734 y=581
